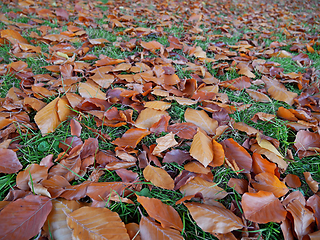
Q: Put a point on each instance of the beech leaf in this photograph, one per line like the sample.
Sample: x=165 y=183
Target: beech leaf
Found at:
x=201 y=119
x=158 y=177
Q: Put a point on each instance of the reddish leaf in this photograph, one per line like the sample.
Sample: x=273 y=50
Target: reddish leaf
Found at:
x=292 y=181
x=258 y=96
x=221 y=220
x=37 y=173
x=75 y=127
x=131 y=137
x=240 y=185
x=314 y=203
x=158 y=177
x=177 y=155
x=13 y=36
x=165 y=214
x=183 y=130
x=234 y=152
x=256 y=207
x=9 y=162
x=27 y=222
x=100 y=190
x=260 y=165
x=307 y=143
x=148 y=117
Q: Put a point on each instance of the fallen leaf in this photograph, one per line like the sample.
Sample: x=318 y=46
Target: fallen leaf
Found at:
x=131 y=137
x=158 y=177
x=221 y=220
x=165 y=214
x=148 y=117
x=201 y=119
x=9 y=162
x=256 y=207
x=268 y=182
x=27 y=222
x=292 y=181
x=163 y=143
x=104 y=224
x=313 y=185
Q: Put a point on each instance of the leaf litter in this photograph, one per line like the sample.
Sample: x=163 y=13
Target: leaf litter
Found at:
x=177 y=93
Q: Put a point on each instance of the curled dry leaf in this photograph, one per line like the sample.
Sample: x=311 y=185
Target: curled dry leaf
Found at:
x=207 y=189
x=307 y=143
x=183 y=130
x=314 y=203
x=201 y=119
x=221 y=220
x=314 y=185
x=281 y=94
x=27 y=222
x=56 y=223
x=302 y=218
x=260 y=165
x=148 y=117
x=165 y=214
x=177 y=155
x=240 y=185
x=133 y=231
x=150 y=230
x=257 y=207
x=9 y=162
x=201 y=148
x=75 y=127
x=131 y=137
x=104 y=224
x=218 y=154
x=158 y=177
x=163 y=143
x=258 y=96
x=235 y=152
x=268 y=182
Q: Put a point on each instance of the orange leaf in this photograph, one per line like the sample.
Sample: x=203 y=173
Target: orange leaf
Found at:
x=307 y=143
x=158 y=177
x=9 y=162
x=47 y=118
x=235 y=152
x=257 y=207
x=148 y=117
x=151 y=230
x=89 y=90
x=23 y=218
x=201 y=119
x=259 y=164
x=240 y=185
x=96 y=223
x=268 y=182
x=131 y=137
x=157 y=105
x=183 y=130
x=282 y=94
x=201 y=148
x=221 y=220
x=218 y=154
x=37 y=172
x=165 y=214
x=13 y=36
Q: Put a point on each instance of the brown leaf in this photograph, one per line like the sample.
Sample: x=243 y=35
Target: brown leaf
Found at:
x=27 y=221
x=268 y=182
x=235 y=152
x=240 y=185
x=201 y=148
x=218 y=154
x=302 y=218
x=307 y=143
x=292 y=181
x=258 y=96
x=177 y=155
x=131 y=137
x=314 y=203
x=75 y=127
x=221 y=220
x=165 y=214
x=313 y=185
x=163 y=143
x=104 y=224
x=9 y=162
x=196 y=167
x=148 y=117
x=237 y=83
x=157 y=105
x=89 y=90
x=257 y=207
x=133 y=231
x=150 y=230
x=158 y=177
x=281 y=94
x=201 y=119
x=56 y=223
x=260 y=165
x=183 y=130
x=37 y=173
x=207 y=189
x=100 y=190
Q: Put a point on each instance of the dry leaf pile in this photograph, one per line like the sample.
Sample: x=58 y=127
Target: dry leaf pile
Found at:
x=63 y=196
